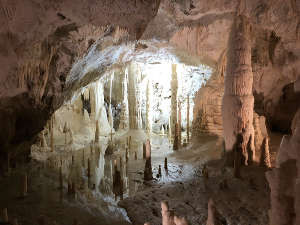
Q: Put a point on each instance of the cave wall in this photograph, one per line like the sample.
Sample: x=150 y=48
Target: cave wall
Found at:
x=39 y=42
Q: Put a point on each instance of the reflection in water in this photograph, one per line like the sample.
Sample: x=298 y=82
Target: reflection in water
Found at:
x=119 y=173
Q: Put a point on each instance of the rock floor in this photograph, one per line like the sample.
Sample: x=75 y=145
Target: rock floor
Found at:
x=245 y=201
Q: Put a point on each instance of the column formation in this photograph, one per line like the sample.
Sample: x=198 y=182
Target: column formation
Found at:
x=133 y=97
x=238 y=100
x=174 y=88
x=124 y=110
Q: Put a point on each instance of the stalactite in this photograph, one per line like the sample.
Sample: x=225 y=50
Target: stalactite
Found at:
x=238 y=100
x=148 y=107
x=265 y=154
x=188 y=119
x=133 y=97
x=124 y=107
x=174 y=87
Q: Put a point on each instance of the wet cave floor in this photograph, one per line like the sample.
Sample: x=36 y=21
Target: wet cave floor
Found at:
x=244 y=201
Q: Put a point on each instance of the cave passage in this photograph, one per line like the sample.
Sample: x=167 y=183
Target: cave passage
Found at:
x=154 y=112
x=97 y=140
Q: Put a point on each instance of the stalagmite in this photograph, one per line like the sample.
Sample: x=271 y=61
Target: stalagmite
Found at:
x=166 y=163
x=44 y=142
x=238 y=100
x=117 y=184
x=214 y=217
x=97 y=132
x=188 y=119
x=265 y=154
x=180 y=221
x=148 y=166
x=5 y=215
x=135 y=155
x=250 y=150
x=167 y=215
x=144 y=151
x=179 y=125
x=174 y=87
x=175 y=143
x=162 y=131
x=159 y=171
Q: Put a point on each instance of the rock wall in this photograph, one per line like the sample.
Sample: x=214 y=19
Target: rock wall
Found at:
x=284 y=180
x=207 y=109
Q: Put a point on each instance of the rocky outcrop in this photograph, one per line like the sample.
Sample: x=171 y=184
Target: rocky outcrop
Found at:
x=284 y=180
